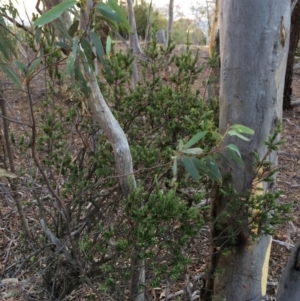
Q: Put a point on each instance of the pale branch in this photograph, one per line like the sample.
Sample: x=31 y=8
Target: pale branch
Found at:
x=14 y=121
x=19 y=25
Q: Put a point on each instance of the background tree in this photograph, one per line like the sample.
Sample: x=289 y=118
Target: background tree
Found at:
x=170 y=20
x=250 y=94
x=183 y=27
x=294 y=41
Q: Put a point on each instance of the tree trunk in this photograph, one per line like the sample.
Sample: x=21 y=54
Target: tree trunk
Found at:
x=253 y=63
x=147 y=33
x=170 y=22
x=133 y=36
x=289 y=285
x=294 y=40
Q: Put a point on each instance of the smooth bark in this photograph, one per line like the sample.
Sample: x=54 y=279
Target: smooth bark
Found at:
x=250 y=94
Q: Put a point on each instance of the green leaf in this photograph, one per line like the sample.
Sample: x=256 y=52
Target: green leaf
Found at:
x=73 y=28
x=201 y=167
x=11 y=74
x=213 y=170
x=75 y=46
x=234 y=157
x=34 y=65
x=108 y=45
x=64 y=46
x=190 y=168
x=70 y=64
x=180 y=146
x=242 y=129
x=7 y=174
x=99 y=48
x=218 y=137
x=114 y=5
x=175 y=167
x=235 y=133
x=234 y=148
x=82 y=81
x=100 y=53
x=54 y=13
x=195 y=139
x=88 y=51
x=21 y=66
x=108 y=13
x=193 y=151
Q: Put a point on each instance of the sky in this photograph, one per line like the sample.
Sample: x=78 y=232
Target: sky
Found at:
x=184 y=4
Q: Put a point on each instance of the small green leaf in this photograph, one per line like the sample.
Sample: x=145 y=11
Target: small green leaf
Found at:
x=88 y=51
x=21 y=66
x=193 y=151
x=218 y=137
x=175 y=167
x=195 y=139
x=213 y=170
x=108 y=45
x=235 y=133
x=11 y=74
x=82 y=81
x=73 y=28
x=70 y=64
x=114 y=5
x=54 y=13
x=201 y=167
x=108 y=13
x=234 y=148
x=75 y=46
x=242 y=129
x=234 y=157
x=99 y=48
x=34 y=65
x=180 y=146
x=7 y=174
x=190 y=168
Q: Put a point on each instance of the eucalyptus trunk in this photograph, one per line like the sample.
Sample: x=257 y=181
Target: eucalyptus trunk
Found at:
x=254 y=40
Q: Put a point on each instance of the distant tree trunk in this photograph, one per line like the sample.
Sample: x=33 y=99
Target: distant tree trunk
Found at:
x=250 y=94
x=147 y=35
x=134 y=40
x=294 y=40
x=133 y=36
x=161 y=37
x=171 y=17
x=214 y=53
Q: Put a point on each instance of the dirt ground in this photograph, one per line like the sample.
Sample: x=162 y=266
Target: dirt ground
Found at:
x=288 y=181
